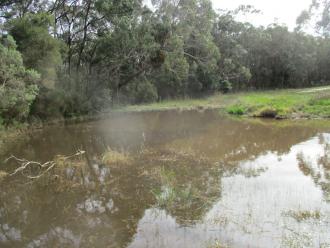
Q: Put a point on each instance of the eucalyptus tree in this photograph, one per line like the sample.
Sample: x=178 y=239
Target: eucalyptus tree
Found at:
x=80 y=22
x=190 y=48
x=278 y=58
x=93 y=53
x=128 y=54
x=317 y=15
x=324 y=21
x=19 y=8
x=232 y=65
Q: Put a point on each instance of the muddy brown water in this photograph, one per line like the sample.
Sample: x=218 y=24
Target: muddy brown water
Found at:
x=192 y=179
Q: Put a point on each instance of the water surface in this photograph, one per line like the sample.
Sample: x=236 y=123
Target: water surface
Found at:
x=191 y=179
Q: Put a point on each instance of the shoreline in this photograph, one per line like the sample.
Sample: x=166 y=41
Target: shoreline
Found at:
x=291 y=104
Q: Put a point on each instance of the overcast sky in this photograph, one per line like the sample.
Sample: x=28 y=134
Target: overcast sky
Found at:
x=283 y=11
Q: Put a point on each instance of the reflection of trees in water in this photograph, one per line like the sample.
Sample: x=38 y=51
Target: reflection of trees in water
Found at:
x=86 y=204
x=123 y=132
x=207 y=132
x=93 y=204
x=318 y=170
x=229 y=141
x=76 y=204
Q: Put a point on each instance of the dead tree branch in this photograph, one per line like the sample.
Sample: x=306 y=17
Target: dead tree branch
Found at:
x=44 y=167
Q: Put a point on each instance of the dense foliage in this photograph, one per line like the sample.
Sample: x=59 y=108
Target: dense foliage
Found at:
x=18 y=87
x=92 y=54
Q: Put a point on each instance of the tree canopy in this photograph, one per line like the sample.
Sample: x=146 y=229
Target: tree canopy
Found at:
x=96 y=53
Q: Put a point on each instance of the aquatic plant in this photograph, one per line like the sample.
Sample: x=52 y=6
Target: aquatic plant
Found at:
x=304 y=215
x=293 y=239
x=165 y=197
x=217 y=244
x=251 y=171
x=112 y=157
x=3 y=174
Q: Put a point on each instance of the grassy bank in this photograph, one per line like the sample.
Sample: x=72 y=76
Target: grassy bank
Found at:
x=313 y=103
x=297 y=103
x=303 y=103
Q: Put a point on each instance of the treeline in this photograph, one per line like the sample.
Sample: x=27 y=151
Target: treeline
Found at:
x=71 y=57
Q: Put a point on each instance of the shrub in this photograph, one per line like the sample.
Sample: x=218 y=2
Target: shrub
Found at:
x=225 y=86
x=18 y=86
x=39 y=49
x=141 y=91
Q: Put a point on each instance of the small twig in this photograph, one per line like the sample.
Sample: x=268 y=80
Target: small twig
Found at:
x=78 y=153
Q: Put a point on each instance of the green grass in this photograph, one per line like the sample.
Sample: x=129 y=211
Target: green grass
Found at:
x=237 y=109
x=319 y=105
x=184 y=104
x=301 y=103
x=270 y=104
x=294 y=103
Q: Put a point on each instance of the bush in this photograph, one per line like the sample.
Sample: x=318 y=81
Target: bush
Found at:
x=141 y=91
x=225 y=86
x=70 y=98
x=39 y=49
x=18 y=86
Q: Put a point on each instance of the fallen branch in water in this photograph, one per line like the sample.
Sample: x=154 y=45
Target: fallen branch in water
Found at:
x=45 y=167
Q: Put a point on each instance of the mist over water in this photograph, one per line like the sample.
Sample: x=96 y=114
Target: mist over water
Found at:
x=189 y=179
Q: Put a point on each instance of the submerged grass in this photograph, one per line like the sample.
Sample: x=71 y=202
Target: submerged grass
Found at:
x=3 y=174
x=217 y=244
x=172 y=195
x=112 y=157
x=301 y=216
